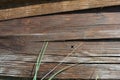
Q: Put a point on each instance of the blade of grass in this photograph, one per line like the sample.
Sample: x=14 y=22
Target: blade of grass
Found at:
x=42 y=54
x=39 y=59
x=60 y=71
x=97 y=77
x=61 y=61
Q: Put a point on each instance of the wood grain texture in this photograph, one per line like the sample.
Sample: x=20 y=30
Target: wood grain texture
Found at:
x=96 y=33
x=64 y=27
x=52 y=7
x=82 y=71
x=88 y=71
x=94 y=58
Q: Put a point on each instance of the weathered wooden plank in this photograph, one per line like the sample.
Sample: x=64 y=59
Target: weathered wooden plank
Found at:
x=57 y=59
x=82 y=71
x=49 y=58
x=16 y=71
x=53 y=7
x=88 y=48
x=20 y=62
x=20 y=43
x=88 y=71
x=64 y=27
x=96 y=32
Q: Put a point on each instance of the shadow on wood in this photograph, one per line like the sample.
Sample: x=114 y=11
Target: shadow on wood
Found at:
x=5 y=4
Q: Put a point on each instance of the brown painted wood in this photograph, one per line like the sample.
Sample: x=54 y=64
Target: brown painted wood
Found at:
x=29 y=9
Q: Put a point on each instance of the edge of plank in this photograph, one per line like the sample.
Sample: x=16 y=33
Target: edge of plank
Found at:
x=48 y=8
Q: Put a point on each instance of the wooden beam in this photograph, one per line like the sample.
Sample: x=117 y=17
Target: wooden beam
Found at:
x=55 y=7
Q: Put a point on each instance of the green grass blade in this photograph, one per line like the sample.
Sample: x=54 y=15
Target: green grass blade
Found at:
x=61 y=70
x=39 y=59
x=79 y=45
x=97 y=77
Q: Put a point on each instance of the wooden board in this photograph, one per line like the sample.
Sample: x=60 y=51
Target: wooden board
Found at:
x=64 y=27
x=25 y=9
x=97 y=34
x=94 y=58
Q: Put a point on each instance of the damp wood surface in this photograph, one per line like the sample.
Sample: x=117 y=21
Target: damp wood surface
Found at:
x=14 y=8
x=96 y=34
